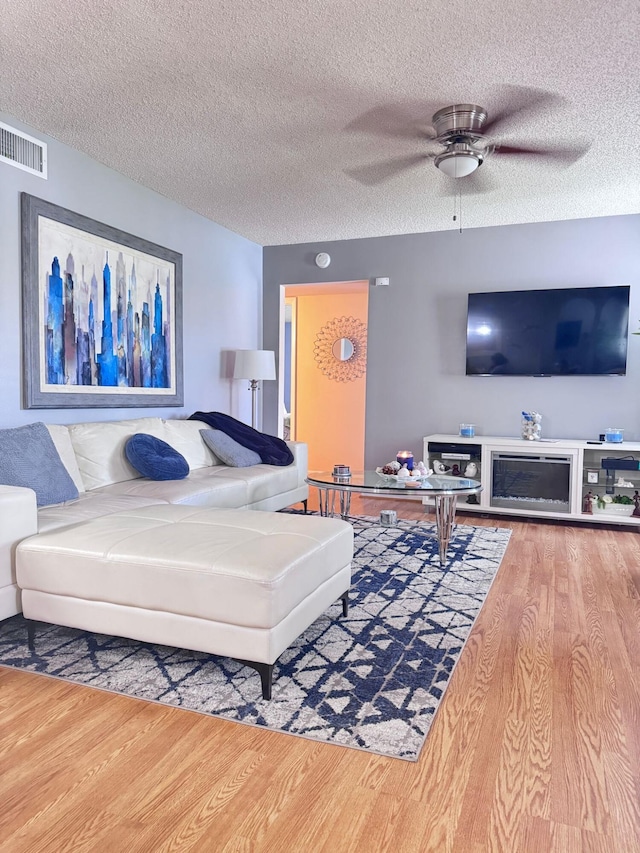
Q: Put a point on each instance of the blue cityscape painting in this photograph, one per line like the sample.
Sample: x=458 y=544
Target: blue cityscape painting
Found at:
x=106 y=313
x=101 y=313
x=107 y=319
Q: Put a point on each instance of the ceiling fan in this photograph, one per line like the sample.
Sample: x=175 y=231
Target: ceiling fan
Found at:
x=461 y=138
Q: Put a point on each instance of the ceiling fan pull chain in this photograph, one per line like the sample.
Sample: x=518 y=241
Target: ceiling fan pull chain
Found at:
x=460 y=208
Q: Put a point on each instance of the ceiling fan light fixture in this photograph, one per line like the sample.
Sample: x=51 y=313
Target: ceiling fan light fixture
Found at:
x=455 y=164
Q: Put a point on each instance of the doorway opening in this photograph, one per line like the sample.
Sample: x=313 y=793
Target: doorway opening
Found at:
x=323 y=351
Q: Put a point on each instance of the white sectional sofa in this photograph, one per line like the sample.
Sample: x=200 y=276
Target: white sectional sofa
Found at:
x=93 y=454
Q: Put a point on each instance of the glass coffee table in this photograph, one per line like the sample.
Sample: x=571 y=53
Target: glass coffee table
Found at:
x=443 y=489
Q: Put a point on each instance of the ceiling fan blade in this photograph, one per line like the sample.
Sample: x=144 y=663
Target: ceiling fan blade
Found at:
x=476 y=183
x=377 y=173
x=520 y=99
x=566 y=154
x=398 y=122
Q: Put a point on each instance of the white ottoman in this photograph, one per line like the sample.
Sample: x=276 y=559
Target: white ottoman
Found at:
x=235 y=583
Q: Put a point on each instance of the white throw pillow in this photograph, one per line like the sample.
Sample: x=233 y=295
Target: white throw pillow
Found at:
x=184 y=436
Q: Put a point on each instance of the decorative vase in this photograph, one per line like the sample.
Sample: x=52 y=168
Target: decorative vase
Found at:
x=531 y=426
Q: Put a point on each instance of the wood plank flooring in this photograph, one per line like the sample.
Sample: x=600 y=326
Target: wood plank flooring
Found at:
x=535 y=747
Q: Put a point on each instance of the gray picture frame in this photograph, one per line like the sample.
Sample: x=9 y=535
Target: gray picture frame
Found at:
x=37 y=396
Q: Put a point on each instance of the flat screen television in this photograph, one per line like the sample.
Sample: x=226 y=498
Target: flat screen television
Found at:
x=578 y=331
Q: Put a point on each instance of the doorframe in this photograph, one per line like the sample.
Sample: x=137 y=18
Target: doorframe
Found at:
x=281 y=322
x=292 y=302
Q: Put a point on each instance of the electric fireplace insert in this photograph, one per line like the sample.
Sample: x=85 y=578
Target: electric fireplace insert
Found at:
x=531 y=481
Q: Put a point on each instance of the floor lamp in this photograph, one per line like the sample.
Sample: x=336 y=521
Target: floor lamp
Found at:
x=254 y=365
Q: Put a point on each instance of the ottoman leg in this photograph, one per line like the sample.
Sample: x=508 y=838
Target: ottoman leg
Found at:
x=345 y=603
x=265 y=671
x=31 y=635
x=304 y=504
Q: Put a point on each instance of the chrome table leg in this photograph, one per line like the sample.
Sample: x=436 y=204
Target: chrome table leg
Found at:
x=345 y=504
x=445 y=515
x=323 y=501
x=327 y=502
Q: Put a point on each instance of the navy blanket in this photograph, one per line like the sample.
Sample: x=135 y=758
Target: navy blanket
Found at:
x=272 y=450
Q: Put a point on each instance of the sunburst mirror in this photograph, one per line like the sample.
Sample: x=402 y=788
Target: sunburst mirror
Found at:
x=341 y=349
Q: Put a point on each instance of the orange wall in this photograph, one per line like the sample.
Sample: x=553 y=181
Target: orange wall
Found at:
x=330 y=415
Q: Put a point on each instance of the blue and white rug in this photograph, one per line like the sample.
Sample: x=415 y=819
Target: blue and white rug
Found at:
x=370 y=681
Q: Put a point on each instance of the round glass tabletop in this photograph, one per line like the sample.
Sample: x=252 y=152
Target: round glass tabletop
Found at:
x=371 y=481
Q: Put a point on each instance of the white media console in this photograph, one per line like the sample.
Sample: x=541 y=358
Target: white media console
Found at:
x=548 y=478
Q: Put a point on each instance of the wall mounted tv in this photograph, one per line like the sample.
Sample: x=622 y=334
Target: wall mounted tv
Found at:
x=580 y=331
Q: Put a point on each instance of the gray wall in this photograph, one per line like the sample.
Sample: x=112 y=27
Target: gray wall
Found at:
x=222 y=281
x=416 y=351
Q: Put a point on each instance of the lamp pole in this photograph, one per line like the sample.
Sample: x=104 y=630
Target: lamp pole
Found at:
x=253 y=384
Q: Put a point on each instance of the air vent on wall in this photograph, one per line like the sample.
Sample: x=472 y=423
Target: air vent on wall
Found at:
x=22 y=151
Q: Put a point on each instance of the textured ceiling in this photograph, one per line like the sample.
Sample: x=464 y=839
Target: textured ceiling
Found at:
x=241 y=110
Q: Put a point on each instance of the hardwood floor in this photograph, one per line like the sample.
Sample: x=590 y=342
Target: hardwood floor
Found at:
x=535 y=747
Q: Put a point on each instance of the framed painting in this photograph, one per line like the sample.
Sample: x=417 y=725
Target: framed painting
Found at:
x=102 y=314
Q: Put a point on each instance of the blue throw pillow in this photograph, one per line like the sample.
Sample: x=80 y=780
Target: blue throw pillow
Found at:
x=228 y=449
x=28 y=457
x=154 y=458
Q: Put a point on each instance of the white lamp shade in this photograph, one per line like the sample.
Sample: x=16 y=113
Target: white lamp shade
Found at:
x=254 y=364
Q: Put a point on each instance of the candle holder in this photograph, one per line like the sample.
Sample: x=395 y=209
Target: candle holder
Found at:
x=341 y=471
x=388 y=517
x=405 y=457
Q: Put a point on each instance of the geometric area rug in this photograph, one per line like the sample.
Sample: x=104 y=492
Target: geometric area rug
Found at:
x=370 y=681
